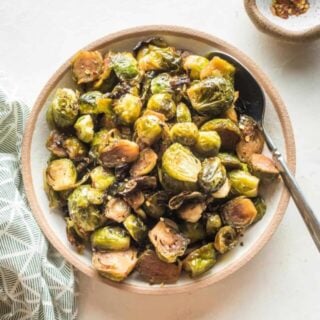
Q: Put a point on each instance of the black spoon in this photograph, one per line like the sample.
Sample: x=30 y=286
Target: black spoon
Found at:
x=252 y=103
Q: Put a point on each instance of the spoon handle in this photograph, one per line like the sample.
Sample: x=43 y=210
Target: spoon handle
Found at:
x=306 y=212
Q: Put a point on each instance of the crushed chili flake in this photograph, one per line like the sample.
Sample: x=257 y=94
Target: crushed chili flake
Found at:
x=286 y=8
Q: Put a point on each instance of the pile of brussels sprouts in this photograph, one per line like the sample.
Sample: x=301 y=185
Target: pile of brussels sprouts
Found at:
x=151 y=164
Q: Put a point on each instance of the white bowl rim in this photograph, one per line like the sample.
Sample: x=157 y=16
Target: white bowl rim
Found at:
x=144 y=31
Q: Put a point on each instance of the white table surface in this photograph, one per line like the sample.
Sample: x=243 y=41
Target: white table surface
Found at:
x=283 y=280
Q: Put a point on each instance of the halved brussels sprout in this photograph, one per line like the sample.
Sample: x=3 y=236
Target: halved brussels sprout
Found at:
x=94 y=102
x=261 y=207
x=263 y=167
x=230 y=161
x=87 y=66
x=136 y=228
x=162 y=103
x=152 y=57
x=148 y=129
x=83 y=196
x=218 y=67
x=185 y=197
x=84 y=128
x=61 y=174
x=213 y=224
x=208 y=143
x=185 y=133
x=118 y=153
x=226 y=239
x=183 y=113
x=156 y=271
x=127 y=109
x=107 y=77
x=110 y=238
x=239 y=212
x=243 y=183
x=155 y=204
x=145 y=164
x=64 y=108
x=223 y=191
x=101 y=178
x=168 y=241
x=212 y=175
x=194 y=64
x=124 y=65
x=191 y=212
x=117 y=210
x=200 y=260
x=145 y=183
x=115 y=266
x=102 y=139
x=252 y=140
x=211 y=96
x=55 y=144
x=73 y=236
x=74 y=148
x=193 y=231
x=53 y=196
x=135 y=199
x=180 y=164
x=227 y=130
x=161 y=84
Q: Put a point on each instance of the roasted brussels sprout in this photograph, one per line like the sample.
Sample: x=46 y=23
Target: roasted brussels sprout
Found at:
x=118 y=153
x=243 y=183
x=194 y=64
x=135 y=199
x=168 y=241
x=127 y=109
x=239 y=212
x=208 y=143
x=211 y=96
x=124 y=65
x=230 y=114
x=185 y=197
x=115 y=266
x=155 y=204
x=110 y=238
x=183 y=113
x=107 y=77
x=261 y=207
x=148 y=129
x=145 y=183
x=213 y=224
x=64 y=108
x=193 y=231
x=136 y=227
x=223 y=191
x=161 y=84
x=263 y=167
x=87 y=66
x=178 y=163
x=84 y=128
x=156 y=271
x=117 y=210
x=94 y=102
x=162 y=103
x=226 y=239
x=230 y=161
x=212 y=175
x=200 y=260
x=191 y=212
x=227 y=130
x=145 y=164
x=185 y=133
x=218 y=67
x=156 y=58
x=252 y=140
x=53 y=196
x=73 y=236
x=101 y=178
x=55 y=144
x=74 y=148
x=61 y=174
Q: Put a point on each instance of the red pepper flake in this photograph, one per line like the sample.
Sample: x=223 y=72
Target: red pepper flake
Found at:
x=286 y=8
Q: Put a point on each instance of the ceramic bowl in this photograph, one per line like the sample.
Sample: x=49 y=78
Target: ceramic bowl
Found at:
x=35 y=156
x=302 y=28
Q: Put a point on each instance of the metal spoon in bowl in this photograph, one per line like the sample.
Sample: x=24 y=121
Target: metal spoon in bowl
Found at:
x=252 y=103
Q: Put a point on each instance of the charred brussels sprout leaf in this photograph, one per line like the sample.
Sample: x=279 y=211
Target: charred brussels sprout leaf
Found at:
x=145 y=164
x=230 y=161
x=239 y=212
x=124 y=65
x=208 y=143
x=156 y=271
x=193 y=231
x=162 y=103
x=115 y=266
x=213 y=224
x=61 y=174
x=218 y=67
x=117 y=210
x=185 y=197
x=168 y=241
x=261 y=208
x=194 y=64
x=212 y=175
x=148 y=129
x=155 y=204
x=263 y=167
x=94 y=102
x=185 y=133
x=128 y=109
x=200 y=260
x=136 y=228
x=183 y=113
x=102 y=178
x=84 y=128
x=110 y=238
x=211 y=96
x=226 y=239
x=243 y=183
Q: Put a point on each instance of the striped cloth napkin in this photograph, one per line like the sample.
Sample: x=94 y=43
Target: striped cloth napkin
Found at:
x=35 y=281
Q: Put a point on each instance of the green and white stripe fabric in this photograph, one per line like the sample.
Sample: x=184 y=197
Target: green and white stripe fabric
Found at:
x=35 y=281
